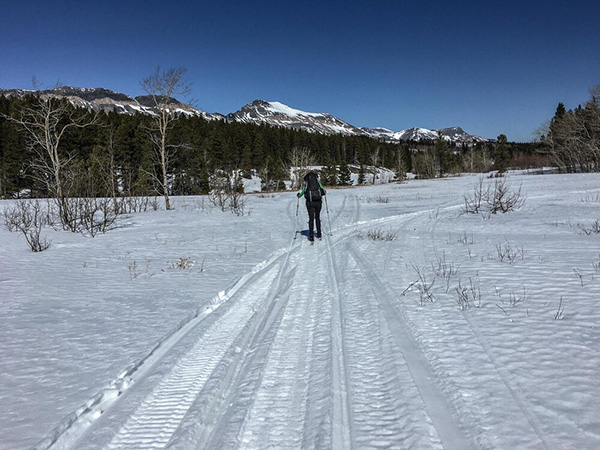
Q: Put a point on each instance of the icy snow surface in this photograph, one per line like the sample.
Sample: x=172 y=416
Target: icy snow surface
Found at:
x=285 y=109
x=266 y=341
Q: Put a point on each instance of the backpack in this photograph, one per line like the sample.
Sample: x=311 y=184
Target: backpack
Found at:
x=313 y=191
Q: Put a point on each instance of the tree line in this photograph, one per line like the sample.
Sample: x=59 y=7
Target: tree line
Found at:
x=75 y=152
x=572 y=137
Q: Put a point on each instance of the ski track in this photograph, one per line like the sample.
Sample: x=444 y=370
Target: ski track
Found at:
x=153 y=424
x=309 y=353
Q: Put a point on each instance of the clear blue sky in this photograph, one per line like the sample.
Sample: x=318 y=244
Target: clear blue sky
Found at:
x=490 y=67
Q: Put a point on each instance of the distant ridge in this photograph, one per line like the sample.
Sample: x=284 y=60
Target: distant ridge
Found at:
x=257 y=112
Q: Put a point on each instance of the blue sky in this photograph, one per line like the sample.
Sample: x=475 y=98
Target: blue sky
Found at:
x=490 y=67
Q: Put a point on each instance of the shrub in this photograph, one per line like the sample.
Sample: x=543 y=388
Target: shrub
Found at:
x=501 y=199
x=29 y=217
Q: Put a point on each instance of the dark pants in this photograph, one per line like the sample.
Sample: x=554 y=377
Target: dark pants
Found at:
x=314 y=214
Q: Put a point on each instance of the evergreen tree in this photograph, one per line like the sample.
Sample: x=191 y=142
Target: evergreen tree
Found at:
x=345 y=176
x=501 y=154
x=361 y=174
x=329 y=175
x=15 y=167
x=442 y=154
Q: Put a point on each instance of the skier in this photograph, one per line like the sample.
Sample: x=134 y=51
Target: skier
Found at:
x=313 y=193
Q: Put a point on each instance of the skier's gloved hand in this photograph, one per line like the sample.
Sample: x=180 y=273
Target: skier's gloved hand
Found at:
x=299 y=194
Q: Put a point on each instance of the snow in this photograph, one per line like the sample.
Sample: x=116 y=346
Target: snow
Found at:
x=196 y=328
x=284 y=109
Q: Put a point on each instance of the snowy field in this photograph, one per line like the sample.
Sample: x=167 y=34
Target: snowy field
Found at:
x=196 y=328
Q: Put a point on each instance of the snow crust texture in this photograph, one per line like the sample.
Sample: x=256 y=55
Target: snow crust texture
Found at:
x=353 y=342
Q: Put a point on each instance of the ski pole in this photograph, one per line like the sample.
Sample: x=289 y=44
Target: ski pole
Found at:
x=297 y=206
x=328 y=218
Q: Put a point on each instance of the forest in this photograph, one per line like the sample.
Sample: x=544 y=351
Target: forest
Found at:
x=99 y=154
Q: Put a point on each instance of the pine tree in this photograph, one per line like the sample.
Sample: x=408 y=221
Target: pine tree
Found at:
x=500 y=154
x=442 y=154
x=345 y=176
x=361 y=174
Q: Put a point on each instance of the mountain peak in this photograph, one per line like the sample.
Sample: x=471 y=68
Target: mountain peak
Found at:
x=279 y=114
x=258 y=112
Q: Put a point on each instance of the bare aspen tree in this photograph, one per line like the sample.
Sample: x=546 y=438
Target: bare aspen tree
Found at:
x=400 y=166
x=162 y=87
x=300 y=161
x=103 y=162
x=46 y=119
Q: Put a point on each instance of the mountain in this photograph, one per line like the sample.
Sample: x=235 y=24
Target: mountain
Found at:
x=452 y=134
x=257 y=112
x=106 y=100
x=278 y=114
x=457 y=134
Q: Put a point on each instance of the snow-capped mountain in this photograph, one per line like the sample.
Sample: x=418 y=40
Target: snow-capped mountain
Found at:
x=457 y=134
x=107 y=100
x=278 y=114
x=452 y=134
x=257 y=112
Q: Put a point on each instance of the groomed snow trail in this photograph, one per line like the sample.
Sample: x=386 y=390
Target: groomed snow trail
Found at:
x=306 y=353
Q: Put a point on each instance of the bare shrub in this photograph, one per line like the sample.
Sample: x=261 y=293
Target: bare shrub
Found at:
x=468 y=295
x=591 y=198
x=219 y=194
x=594 y=228
x=183 y=263
x=579 y=275
x=88 y=215
x=133 y=204
x=29 y=217
x=444 y=270
x=559 y=314
x=200 y=205
x=514 y=299
x=376 y=199
x=506 y=253
x=237 y=198
x=596 y=265
x=423 y=286
x=135 y=269
x=380 y=235
x=463 y=239
x=501 y=199
x=475 y=201
x=97 y=215
x=228 y=194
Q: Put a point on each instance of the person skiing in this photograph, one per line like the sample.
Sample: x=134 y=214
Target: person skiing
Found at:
x=313 y=192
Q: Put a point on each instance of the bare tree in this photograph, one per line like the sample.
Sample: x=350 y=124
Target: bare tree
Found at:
x=375 y=163
x=162 y=87
x=400 y=166
x=46 y=119
x=300 y=161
